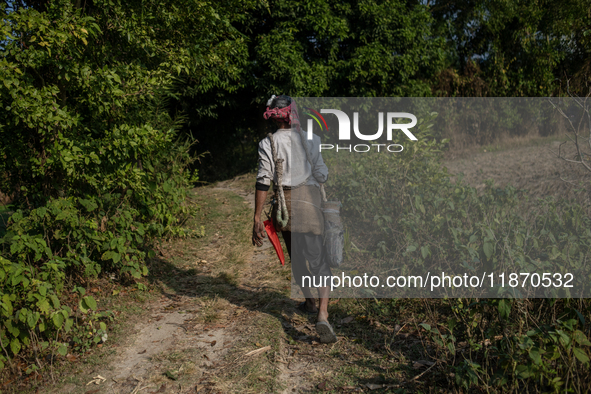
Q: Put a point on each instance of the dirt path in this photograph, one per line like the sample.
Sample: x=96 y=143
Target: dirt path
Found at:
x=291 y=367
x=223 y=321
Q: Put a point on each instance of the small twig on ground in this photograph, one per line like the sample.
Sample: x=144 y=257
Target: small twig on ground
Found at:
x=424 y=372
x=258 y=351
x=98 y=379
x=398 y=332
x=138 y=388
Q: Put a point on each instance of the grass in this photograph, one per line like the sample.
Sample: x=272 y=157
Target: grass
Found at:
x=519 y=142
x=253 y=374
x=72 y=376
x=501 y=144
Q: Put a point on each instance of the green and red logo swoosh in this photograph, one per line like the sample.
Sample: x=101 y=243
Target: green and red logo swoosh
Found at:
x=317 y=117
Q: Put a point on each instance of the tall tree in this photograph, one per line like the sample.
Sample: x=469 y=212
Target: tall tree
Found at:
x=314 y=48
x=513 y=48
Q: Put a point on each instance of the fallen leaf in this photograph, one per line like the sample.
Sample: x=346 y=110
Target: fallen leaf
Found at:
x=71 y=358
x=143 y=351
x=322 y=386
x=347 y=320
x=213 y=343
x=170 y=375
x=373 y=386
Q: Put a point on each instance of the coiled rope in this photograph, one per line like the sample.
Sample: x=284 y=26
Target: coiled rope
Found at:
x=282 y=213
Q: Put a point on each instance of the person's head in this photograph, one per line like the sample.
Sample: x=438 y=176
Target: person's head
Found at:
x=281 y=101
x=279 y=110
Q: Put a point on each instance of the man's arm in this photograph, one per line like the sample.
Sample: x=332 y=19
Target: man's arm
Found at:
x=264 y=177
x=258 y=229
x=319 y=170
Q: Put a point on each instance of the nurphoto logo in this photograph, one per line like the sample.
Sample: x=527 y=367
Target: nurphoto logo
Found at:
x=345 y=129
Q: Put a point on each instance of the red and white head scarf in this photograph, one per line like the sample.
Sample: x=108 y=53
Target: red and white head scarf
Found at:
x=287 y=114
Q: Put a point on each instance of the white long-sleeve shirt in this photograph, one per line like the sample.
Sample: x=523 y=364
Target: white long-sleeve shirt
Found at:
x=296 y=168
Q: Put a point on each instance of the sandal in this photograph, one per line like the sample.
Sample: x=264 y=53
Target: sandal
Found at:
x=325 y=332
x=302 y=307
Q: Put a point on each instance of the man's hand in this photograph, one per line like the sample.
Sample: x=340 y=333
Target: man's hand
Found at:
x=258 y=233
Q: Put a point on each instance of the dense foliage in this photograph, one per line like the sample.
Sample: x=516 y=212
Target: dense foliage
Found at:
x=90 y=150
x=326 y=48
x=317 y=48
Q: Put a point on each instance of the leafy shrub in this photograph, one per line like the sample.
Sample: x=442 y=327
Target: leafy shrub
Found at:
x=484 y=347
x=415 y=218
x=92 y=154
